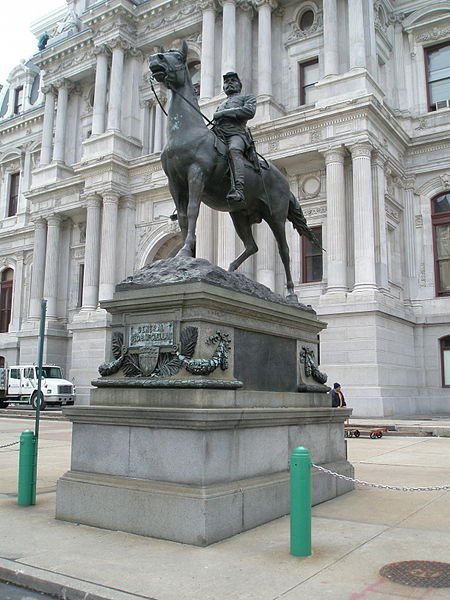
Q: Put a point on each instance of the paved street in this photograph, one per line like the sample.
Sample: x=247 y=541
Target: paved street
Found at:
x=353 y=536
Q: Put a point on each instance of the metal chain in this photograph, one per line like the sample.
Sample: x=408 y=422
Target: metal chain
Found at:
x=7 y=445
x=384 y=487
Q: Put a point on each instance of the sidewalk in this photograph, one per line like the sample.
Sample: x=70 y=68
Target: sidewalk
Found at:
x=353 y=536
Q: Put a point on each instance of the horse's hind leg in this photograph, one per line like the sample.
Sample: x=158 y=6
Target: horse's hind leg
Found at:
x=244 y=231
x=279 y=231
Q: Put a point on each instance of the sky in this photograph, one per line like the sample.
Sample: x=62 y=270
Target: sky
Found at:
x=16 y=39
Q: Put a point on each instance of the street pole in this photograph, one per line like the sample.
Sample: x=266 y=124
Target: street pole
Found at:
x=39 y=392
x=300 y=467
x=28 y=452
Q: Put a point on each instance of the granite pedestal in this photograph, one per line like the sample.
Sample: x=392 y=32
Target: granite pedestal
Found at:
x=191 y=456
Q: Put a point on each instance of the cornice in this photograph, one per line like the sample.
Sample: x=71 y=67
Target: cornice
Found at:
x=64 y=49
x=22 y=121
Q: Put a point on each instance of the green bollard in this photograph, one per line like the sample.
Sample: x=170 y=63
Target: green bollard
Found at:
x=27 y=458
x=300 y=466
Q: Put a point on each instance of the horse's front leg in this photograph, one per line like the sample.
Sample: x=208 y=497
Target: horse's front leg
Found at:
x=196 y=184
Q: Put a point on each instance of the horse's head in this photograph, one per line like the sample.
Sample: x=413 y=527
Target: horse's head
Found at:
x=169 y=66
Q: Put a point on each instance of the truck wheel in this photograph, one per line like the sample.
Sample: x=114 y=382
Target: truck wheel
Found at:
x=34 y=401
x=3 y=404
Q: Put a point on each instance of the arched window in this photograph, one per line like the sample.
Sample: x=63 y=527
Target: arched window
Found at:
x=440 y=216
x=169 y=248
x=445 y=361
x=6 y=287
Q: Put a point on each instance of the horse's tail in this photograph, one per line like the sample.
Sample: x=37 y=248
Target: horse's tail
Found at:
x=296 y=217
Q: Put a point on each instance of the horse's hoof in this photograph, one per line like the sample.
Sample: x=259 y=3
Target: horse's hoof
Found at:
x=292 y=298
x=185 y=252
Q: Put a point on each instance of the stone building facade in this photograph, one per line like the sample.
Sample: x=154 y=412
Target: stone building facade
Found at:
x=353 y=106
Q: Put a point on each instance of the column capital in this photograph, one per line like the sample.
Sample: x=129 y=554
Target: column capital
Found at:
x=54 y=220
x=110 y=197
x=379 y=158
x=136 y=53
x=273 y=4
x=118 y=43
x=334 y=155
x=49 y=89
x=361 y=149
x=64 y=83
x=128 y=201
x=39 y=223
x=410 y=182
x=207 y=5
x=92 y=199
x=245 y=5
x=223 y=2
x=102 y=49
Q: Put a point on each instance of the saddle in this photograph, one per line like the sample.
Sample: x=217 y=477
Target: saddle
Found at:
x=254 y=160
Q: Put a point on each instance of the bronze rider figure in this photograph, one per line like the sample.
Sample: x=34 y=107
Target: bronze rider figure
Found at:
x=230 y=119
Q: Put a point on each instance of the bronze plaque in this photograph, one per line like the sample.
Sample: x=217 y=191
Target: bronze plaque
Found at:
x=151 y=334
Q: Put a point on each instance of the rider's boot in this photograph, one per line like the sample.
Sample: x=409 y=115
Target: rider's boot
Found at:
x=236 y=196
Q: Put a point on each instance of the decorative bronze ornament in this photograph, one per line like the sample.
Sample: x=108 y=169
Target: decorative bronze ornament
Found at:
x=308 y=359
x=150 y=361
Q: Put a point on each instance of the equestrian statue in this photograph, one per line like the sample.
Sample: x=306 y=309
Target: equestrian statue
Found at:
x=220 y=166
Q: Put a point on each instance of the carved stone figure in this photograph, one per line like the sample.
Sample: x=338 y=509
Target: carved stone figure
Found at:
x=195 y=162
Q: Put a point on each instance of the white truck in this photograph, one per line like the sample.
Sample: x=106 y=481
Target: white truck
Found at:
x=18 y=384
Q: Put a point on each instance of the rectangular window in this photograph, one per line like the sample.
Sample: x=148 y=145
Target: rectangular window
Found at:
x=18 y=100
x=312 y=267
x=437 y=62
x=308 y=77
x=80 y=285
x=445 y=361
x=440 y=217
x=13 y=197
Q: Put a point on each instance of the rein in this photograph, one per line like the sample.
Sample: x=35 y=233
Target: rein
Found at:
x=191 y=104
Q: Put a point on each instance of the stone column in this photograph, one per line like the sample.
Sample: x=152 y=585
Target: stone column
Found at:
x=118 y=48
x=265 y=258
x=228 y=36
x=63 y=86
x=208 y=43
x=265 y=8
x=126 y=237
x=92 y=252
x=146 y=112
x=226 y=240
x=379 y=186
x=336 y=221
x=330 y=38
x=38 y=271
x=101 y=83
x=108 y=245
x=16 y=308
x=244 y=47
x=365 y=277
x=47 y=128
x=204 y=247
x=26 y=173
x=158 y=128
x=410 y=233
x=357 y=48
x=51 y=278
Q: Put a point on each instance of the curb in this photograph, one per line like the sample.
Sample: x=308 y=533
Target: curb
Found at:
x=62 y=587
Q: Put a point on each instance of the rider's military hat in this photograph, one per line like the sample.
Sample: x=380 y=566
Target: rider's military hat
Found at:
x=231 y=74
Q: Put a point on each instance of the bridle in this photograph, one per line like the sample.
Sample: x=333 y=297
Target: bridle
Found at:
x=169 y=70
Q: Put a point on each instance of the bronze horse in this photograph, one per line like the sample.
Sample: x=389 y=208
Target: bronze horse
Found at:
x=195 y=163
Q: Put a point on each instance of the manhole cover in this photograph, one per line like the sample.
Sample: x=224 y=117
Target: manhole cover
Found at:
x=418 y=573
